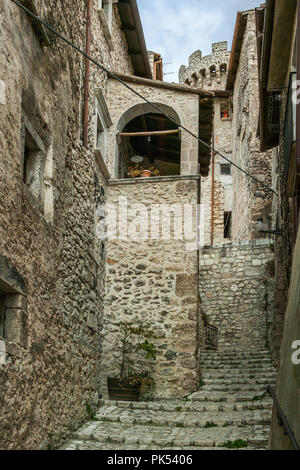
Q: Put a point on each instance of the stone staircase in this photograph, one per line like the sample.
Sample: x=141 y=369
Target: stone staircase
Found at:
x=231 y=409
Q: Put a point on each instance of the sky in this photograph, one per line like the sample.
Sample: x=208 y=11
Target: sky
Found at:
x=177 y=28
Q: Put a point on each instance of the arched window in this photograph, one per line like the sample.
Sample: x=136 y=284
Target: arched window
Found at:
x=223 y=69
x=213 y=71
x=202 y=73
x=148 y=140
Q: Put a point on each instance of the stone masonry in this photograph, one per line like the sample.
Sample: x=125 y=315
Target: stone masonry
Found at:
x=229 y=409
x=154 y=281
x=237 y=289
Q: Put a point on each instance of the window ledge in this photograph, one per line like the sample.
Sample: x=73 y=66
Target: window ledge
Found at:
x=226 y=119
x=106 y=30
x=154 y=179
x=101 y=163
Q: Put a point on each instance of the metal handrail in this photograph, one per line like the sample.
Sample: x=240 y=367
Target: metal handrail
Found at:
x=211 y=335
x=282 y=420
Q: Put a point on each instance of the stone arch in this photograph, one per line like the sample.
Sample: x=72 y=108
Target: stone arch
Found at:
x=223 y=69
x=213 y=71
x=139 y=110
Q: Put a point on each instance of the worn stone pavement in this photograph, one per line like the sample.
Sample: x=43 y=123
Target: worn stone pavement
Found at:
x=230 y=405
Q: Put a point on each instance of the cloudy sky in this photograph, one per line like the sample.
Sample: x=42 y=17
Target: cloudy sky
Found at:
x=177 y=28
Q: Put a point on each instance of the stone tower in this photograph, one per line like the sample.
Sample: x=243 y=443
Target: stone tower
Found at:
x=208 y=72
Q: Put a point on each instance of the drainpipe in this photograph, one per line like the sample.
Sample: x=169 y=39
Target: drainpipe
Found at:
x=212 y=189
x=297 y=194
x=87 y=75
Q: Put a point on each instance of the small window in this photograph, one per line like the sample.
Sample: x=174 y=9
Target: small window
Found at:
x=225 y=109
x=2 y=315
x=223 y=69
x=225 y=169
x=227 y=224
x=106 y=6
x=213 y=71
x=33 y=164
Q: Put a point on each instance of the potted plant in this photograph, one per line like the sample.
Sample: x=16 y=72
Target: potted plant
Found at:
x=135 y=171
x=128 y=385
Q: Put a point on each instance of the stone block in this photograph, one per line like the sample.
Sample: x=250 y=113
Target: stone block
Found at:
x=186 y=285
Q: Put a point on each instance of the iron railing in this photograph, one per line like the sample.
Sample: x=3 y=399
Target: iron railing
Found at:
x=211 y=336
x=282 y=420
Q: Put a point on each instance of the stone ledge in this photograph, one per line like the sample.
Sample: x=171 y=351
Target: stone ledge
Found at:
x=155 y=179
x=245 y=243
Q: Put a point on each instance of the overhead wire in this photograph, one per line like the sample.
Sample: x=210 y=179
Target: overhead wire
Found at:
x=153 y=105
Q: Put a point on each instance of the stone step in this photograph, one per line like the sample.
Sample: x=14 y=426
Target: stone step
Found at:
x=241 y=381
x=225 y=370
x=103 y=433
x=229 y=388
x=233 y=375
x=94 y=445
x=219 y=396
x=240 y=354
x=241 y=363
x=189 y=405
x=184 y=419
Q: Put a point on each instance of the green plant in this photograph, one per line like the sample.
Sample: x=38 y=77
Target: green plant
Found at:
x=130 y=336
x=179 y=425
x=237 y=444
x=179 y=408
x=201 y=383
x=251 y=377
x=91 y=414
x=259 y=397
x=210 y=424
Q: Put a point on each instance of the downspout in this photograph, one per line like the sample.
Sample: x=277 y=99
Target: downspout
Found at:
x=212 y=189
x=297 y=186
x=87 y=75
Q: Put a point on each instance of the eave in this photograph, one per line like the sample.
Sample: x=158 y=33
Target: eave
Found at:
x=132 y=28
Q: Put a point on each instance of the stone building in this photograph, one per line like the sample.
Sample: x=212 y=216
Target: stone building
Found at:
x=53 y=177
x=251 y=212
x=210 y=73
x=278 y=29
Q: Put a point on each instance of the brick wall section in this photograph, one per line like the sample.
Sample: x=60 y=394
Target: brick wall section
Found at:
x=154 y=281
x=237 y=289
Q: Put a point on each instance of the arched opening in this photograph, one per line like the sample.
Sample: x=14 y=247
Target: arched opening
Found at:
x=202 y=73
x=223 y=69
x=148 y=141
x=213 y=71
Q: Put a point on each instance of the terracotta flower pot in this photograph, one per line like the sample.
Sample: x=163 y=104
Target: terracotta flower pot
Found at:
x=146 y=174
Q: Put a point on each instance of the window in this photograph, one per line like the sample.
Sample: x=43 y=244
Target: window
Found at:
x=225 y=169
x=225 y=109
x=106 y=6
x=227 y=224
x=33 y=161
x=2 y=315
x=213 y=71
x=102 y=123
x=223 y=69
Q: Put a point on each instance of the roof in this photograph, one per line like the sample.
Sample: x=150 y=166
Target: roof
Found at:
x=240 y=27
x=206 y=112
x=132 y=27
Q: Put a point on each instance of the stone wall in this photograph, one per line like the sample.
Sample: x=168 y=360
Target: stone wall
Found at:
x=252 y=203
x=154 y=281
x=51 y=369
x=237 y=289
x=182 y=106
